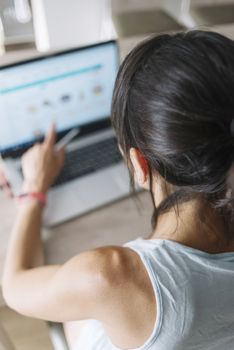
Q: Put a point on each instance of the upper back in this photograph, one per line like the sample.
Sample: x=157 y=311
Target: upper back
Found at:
x=194 y=293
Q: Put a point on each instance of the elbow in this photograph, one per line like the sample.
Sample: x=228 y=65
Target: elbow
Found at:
x=9 y=294
x=10 y=290
x=16 y=299
x=7 y=288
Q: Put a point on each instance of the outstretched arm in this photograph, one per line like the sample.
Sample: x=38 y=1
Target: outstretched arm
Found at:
x=93 y=284
x=41 y=164
x=86 y=286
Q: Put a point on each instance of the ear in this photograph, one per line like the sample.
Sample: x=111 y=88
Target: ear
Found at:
x=140 y=167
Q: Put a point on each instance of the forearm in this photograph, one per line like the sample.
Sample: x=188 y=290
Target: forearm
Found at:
x=25 y=246
x=41 y=164
x=25 y=282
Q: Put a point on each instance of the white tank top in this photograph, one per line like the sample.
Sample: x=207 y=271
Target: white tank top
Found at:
x=194 y=293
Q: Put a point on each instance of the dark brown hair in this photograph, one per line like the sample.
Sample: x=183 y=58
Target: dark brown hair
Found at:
x=174 y=101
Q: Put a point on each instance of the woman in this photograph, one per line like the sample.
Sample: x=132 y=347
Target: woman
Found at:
x=172 y=112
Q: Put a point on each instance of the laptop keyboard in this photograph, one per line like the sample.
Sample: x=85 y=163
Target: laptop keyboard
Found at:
x=89 y=159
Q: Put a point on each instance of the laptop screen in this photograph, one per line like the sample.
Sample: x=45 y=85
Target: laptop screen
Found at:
x=72 y=88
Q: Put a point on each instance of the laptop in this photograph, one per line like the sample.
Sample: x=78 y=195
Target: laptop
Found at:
x=73 y=88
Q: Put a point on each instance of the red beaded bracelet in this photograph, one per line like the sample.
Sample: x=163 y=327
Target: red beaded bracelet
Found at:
x=40 y=197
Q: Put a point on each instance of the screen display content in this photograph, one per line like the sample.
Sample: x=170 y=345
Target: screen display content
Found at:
x=72 y=89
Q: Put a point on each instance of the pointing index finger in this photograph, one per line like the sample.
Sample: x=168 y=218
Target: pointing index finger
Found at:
x=51 y=136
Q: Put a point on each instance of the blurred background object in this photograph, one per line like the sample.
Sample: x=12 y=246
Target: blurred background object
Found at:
x=212 y=12
x=67 y=23
x=135 y=17
x=2 y=39
x=52 y=25
x=16 y=17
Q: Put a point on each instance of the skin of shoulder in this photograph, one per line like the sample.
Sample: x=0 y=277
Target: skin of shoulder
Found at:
x=74 y=291
x=125 y=292
x=109 y=284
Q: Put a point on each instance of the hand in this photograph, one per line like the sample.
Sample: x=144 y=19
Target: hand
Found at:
x=41 y=164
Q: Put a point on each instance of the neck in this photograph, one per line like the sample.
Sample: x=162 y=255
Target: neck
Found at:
x=197 y=226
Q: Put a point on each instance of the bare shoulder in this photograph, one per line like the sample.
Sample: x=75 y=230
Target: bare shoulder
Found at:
x=113 y=265
x=123 y=289
x=112 y=274
x=108 y=266
x=100 y=284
